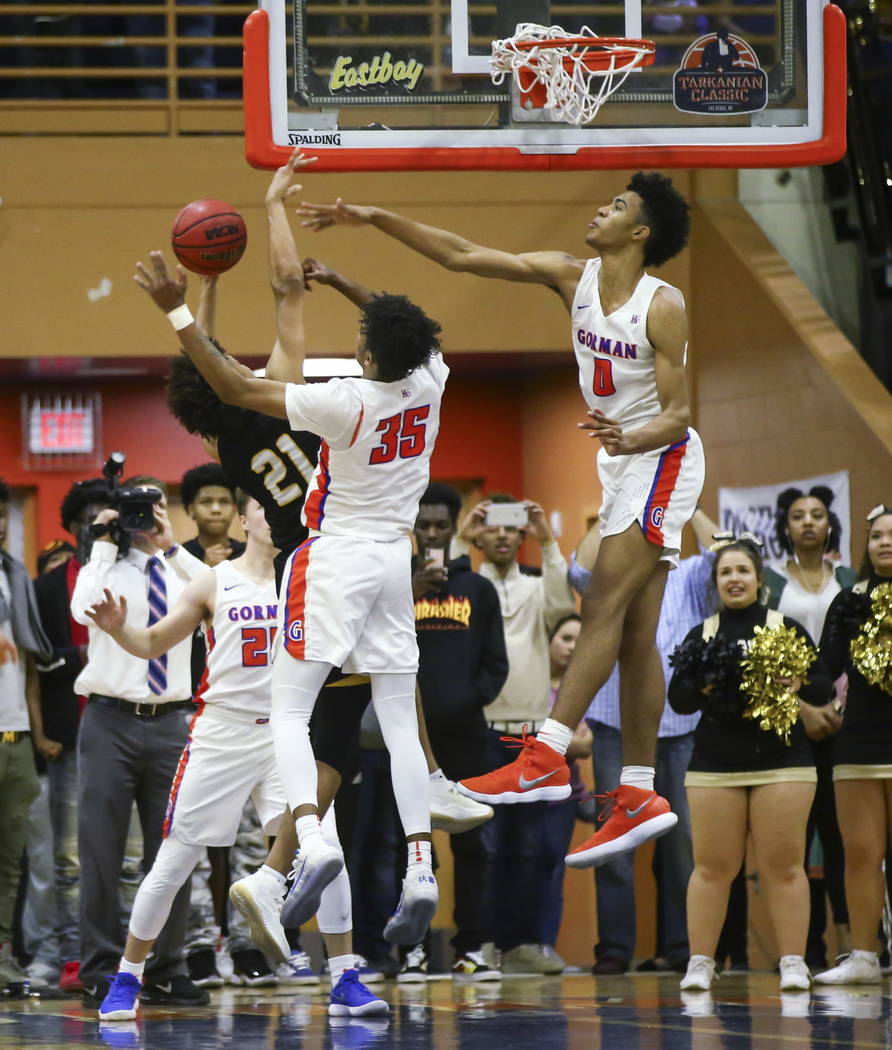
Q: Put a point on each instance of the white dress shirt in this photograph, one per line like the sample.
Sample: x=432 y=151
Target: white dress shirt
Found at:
x=110 y=670
x=13 y=705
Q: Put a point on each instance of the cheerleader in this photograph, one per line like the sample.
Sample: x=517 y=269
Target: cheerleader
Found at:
x=751 y=770
x=857 y=639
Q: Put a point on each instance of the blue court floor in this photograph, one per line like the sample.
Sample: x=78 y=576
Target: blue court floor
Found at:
x=644 y=1012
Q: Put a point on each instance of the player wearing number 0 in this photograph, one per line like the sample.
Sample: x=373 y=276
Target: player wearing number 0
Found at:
x=629 y=333
x=229 y=757
x=346 y=599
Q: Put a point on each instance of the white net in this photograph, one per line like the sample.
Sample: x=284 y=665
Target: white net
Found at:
x=573 y=92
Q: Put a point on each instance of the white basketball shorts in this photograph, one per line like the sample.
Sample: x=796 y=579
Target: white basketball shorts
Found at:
x=658 y=489
x=228 y=759
x=348 y=602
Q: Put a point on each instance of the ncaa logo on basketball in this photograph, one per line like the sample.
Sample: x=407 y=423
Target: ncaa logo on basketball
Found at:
x=296 y=631
x=720 y=74
x=656 y=516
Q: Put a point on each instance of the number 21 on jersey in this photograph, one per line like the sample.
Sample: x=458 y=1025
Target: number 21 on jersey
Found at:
x=403 y=435
x=257 y=644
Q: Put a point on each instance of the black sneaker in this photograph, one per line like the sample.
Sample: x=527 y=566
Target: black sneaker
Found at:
x=249 y=967
x=175 y=991
x=94 y=991
x=203 y=968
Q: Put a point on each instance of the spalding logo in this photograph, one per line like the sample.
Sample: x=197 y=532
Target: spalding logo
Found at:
x=296 y=631
x=214 y=234
x=656 y=516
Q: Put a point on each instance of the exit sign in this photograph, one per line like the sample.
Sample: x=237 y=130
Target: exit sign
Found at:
x=65 y=425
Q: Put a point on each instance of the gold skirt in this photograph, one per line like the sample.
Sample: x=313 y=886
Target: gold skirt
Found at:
x=857 y=772
x=753 y=778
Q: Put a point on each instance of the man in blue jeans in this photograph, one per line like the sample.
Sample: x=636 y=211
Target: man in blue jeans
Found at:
x=686 y=601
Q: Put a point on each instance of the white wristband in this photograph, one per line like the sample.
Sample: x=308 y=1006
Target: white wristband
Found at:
x=180 y=317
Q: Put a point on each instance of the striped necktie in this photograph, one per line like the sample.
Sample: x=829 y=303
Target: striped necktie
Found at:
x=157 y=609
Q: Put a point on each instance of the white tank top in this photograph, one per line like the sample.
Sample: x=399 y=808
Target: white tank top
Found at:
x=238 y=672
x=617 y=370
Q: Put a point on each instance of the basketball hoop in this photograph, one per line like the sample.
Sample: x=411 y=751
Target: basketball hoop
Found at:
x=556 y=70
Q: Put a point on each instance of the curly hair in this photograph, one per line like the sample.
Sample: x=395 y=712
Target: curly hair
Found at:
x=438 y=493
x=80 y=495
x=667 y=214
x=197 y=478
x=193 y=402
x=398 y=334
x=785 y=501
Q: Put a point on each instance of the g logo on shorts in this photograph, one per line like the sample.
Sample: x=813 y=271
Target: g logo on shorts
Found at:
x=296 y=631
x=656 y=516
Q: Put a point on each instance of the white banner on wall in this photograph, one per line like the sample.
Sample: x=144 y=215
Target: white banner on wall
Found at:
x=753 y=510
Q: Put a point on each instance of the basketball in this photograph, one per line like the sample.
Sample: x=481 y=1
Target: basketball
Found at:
x=209 y=237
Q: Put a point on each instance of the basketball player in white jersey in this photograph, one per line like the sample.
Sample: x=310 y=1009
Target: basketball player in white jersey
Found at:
x=346 y=594
x=629 y=334
x=229 y=757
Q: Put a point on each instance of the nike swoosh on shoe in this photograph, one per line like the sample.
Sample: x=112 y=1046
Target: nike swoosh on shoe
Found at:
x=166 y=988
x=526 y=784
x=632 y=813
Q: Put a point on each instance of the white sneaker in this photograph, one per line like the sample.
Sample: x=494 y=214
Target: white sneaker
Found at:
x=697 y=1004
x=414 y=968
x=454 y=812
x=297 y=971
x=258 y=898
x=863 y=968
x=41 y=975
x=314 y=868
x=700 y=974
x=794 y=974
x=418 y=903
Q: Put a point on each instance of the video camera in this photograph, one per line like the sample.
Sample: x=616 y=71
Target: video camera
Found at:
x=135 y=507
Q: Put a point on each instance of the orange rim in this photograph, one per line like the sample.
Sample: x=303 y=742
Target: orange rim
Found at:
x=585 y=41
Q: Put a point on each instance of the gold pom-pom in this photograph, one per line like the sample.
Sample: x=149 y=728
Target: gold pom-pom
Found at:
x=774 y=653
x=871 y=650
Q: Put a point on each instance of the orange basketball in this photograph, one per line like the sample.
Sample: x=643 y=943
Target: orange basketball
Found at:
x=209 y=237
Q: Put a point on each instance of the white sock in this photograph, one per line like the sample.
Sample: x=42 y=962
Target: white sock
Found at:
x=126 y=966
x=438 y=777
x=309 y=831
x=556 y=735
x=271 y=873
x=419 y=853
x=638 y=776
x=337 y=964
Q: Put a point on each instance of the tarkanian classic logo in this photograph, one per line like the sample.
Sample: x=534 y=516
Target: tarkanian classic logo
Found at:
x=720 y=74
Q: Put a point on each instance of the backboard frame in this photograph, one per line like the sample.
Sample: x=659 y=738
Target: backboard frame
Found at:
x=265 y=149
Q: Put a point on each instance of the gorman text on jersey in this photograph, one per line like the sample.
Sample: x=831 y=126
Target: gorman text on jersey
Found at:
x=603 y=345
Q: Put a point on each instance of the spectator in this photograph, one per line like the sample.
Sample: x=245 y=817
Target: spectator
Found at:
x=808 y=531
x=54 y=554
x=131 y=737
x=686 y=601
x=209 y=499
x=532 y=603
x=744 y=779
x=862 y=757
x=21 y=640
x=50 y=916
x=463 y=665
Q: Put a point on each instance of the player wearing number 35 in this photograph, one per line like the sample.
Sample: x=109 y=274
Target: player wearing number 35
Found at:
x=629 y=334
x=346 y=597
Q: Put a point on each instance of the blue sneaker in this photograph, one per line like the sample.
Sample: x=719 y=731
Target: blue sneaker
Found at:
x=121 y=999
x=350 y=997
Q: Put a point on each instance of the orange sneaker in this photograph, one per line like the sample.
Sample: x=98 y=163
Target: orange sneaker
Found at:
x=538 y=774
x=631 y=816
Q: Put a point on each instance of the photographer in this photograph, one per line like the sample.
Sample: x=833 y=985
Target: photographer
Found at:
x=132 y=732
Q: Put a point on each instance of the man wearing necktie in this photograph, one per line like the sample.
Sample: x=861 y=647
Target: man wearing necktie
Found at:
x=131 y=738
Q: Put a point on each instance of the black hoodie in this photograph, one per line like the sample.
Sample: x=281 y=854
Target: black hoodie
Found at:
x=463 y=662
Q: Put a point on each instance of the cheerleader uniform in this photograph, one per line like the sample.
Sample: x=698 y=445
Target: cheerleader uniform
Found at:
x=862 y=749
x=733 y=751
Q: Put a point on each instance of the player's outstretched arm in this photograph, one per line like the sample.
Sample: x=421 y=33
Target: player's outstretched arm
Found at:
x=231 y=381
x=286 y=275
x=555 y=269
x=316 y=272
x=194 y=604
x=206 y=315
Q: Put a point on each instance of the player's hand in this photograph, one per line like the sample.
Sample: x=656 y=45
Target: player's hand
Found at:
x=281 y=187
x=608 y=431
x=318 y=272
x=219 y=552
x=109 y=614
x=475 y=523
x=793 y=684
x=167 y=292
x=162 y=534
x=538 y=526
x=46 y=748
x=208 y=281
x=9 y=651
x=819 y=722
x=427 y=579
x=318 y=217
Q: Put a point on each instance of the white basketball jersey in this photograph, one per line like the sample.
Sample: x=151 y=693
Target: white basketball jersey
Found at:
x=617 y=370
x=374 y=463
x=240 y=639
